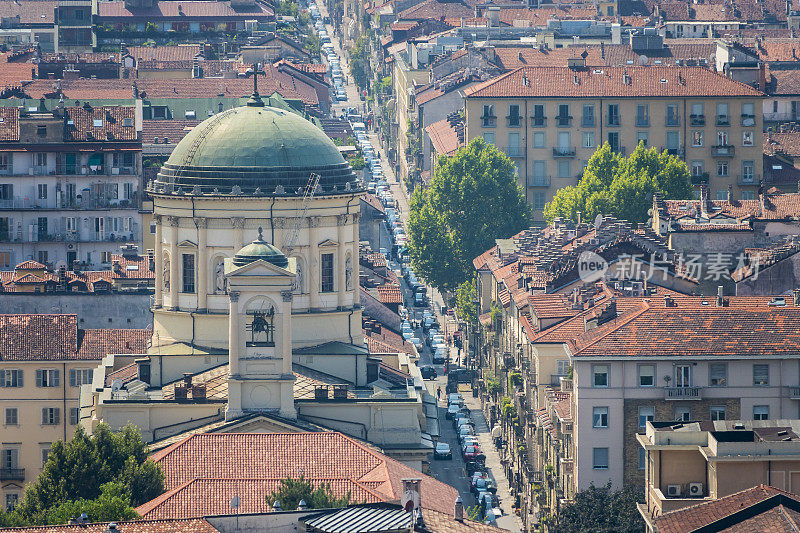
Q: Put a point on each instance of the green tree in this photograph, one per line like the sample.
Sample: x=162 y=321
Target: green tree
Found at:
x=472 y=200
x=357 y=162
x=293 y=490
x=622 y=187
x=465 y=301
x=107 y=473
x=359 y=59
x=600 y=510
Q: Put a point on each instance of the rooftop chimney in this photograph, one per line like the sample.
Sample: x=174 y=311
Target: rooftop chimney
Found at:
x=720 y=299
x=796 y=297
x=458 y=510
x=669 y=302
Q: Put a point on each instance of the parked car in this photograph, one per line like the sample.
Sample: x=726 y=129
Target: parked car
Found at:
x=475 y=477
x=451 y=410
x=442 y=451
x=463 y=431
x=416 y=342
x=471 y=453
x=428 y=372
x=484 y=485
x=439 y=357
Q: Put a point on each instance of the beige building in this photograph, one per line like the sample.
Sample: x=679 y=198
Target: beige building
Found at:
x=45 y=360
x=550 y=120
x=698 y=462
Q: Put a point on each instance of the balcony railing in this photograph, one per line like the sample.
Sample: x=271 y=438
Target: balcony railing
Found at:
x=12 y=474
x=697 y=179
x=514 y=151
x=673 y=151
x=539 y=181
x=748 y=120
x=588 y=122
x=723 y=150
x=612 y=120
x=514 y=121
x=794 y=393
x=88 y=204
x=563 y=121
x=697 y=120
x=489 y=122
x=538 y=122
x=748 y=179
x=672 y=121
x=723 y=120
x=642 y=122
x=564 y=151
x=683 y=393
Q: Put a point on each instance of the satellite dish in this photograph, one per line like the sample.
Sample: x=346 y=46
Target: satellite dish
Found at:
x=116 y=385
x=642 y=60
x=235 y=501
x=598 y=221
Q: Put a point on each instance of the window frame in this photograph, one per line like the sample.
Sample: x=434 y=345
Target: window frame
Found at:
x=600 y=417
x=595 y=367
x=764 y=415
x=639 y=375
x=188 y=273
x=762 y=382
x=327 y=273
x=51 y=416
x=724 y=378
x=647 y=408
x=716 y=409
x=48 y=378
x=11 y=378
x=7 y=419
x=595 y=462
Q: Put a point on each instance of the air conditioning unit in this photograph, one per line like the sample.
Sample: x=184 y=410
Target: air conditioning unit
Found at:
x=696 y=490
x=673 y=491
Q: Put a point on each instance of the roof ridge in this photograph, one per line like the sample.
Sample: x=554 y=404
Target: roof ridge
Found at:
x=614 y=325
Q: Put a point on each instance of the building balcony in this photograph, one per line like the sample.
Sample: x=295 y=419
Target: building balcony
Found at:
x=612 y=120
x=794 y=393
x=538 y=122
x=514 y=121
x=697 y=120
x=723 y=120
x=488 y=122
x=564 y=151
x=679 y=152
x=697 y=179
x=748 y=120
x=87 y=205
x=514 y=151
x=563 y=121
x=672 y=121
x=748 y=179
x=12 y=474
x=539 y=181
x=642 y=122
x=683 y=393
x=725 y=150
x=588 y=122
x=71 y=170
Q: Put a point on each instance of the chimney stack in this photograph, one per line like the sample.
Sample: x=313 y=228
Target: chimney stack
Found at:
x=458 y=510
x=796 y=297
x=720 y=299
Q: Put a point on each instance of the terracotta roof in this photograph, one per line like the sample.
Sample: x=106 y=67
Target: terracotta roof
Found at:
x=784 y=82
x=775 y=207
x=193 y=525
x=125 y=374
x=706 y=514
x=611 y=55
x=9 y=124
x=30 y=265
x=103 y=123
x=163 y=130
x=687 y=331
x=608 y=82
x=373 y=202
x=207 y=467
x=390 y=294
x=435 y=9
x=439 y=522
x=36 y=12
x=57 y=338
x=787 y=143
x=137 y=267
x=181 y=52
x=13 y=73
x=444 y=137
x=540 y=15
x=185 y=9
x=387 y=340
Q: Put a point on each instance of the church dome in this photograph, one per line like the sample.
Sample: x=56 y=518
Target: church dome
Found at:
x=254 y=150
x=260 y=249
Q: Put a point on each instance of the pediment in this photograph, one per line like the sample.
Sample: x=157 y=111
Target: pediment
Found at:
x=328 y=242
x=261 y=268
x=187 y=244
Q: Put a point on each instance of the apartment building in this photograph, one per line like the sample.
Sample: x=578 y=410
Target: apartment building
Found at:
x=45 y=360
x=694 y=463
x=550 y=120
x=69 y=183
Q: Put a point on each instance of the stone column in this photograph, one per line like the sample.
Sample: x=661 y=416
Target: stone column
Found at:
x=286 y=331
x=313 y=261
x=174 y=264
x=159 y=251
x=202 y=264
x=341 y=222
x=234 y=334
x=355 y=274
x=238 y=231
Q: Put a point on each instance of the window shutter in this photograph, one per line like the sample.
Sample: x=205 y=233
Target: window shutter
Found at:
x=72 y=378
x=56 y=378
x=56 y=416
x=2 y=378
x=19 y=378
x=39 y=375
x=44 y=416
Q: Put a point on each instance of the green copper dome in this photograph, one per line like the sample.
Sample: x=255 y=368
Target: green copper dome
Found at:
x=260 y=249
x=254 y=149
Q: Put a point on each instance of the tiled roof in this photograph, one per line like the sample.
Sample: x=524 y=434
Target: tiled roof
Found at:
x=111 y=119
x=687 y=331
x=36 y=12
x=57 y=338
x=184 y=8
x=705 y=514
x=137 y=267
x=435 y=9
x=787 y=143
x=783 y=82
x=125 y=374
x=516 y=57
x=775 y=207
x=438 y=522
x=540 y=15
x=13 y=73
x=193 y=525
x=9 y=124
x=387 y=340
x=651 y=82
x=444 y=137
x=163 y=130
x=181 y=52
x=390 y=294
x=29 y=265
x=215 y=462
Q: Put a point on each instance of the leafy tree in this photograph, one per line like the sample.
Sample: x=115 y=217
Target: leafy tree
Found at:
x=472 y=199
x=107 y=474
x=600 y=510
x=623 y=187
x=292 y=491
x=359 y=59
x=357 y=162
x=465 y=300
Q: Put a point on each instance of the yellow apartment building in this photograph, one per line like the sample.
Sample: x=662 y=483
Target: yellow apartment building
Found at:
x=550 y=120
x=44 y=361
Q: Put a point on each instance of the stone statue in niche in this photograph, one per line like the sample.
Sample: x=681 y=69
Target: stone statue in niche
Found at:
x=165 y=273
x=297 y=284
x=219 y=277
x=348 y=273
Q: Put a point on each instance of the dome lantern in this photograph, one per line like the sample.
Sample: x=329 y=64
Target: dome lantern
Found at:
x=260 y=249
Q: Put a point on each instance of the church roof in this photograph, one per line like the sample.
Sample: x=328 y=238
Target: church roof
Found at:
x=332 y=348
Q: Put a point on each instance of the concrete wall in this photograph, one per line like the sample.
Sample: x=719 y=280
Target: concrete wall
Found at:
x=778 y=278
x=95 y=311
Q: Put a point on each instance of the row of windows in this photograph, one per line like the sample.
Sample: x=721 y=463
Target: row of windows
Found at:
x=613 y=117
x=51 y=416
x=71 y=163
x=682 y=375
x=14 y=377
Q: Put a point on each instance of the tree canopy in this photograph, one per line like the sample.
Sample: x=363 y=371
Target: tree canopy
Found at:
x=600 y=510
x=623 y=187
x=472 y=200
x=293 y=490
x=465 y=300
x=104 y=475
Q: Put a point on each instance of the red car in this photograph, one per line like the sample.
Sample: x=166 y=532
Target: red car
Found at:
x=471 y=453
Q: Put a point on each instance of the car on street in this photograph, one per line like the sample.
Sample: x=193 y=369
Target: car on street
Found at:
x=416 y=342
x=455 y=397
x=475 y=477
x=471 y=453
x=470 y=441
x=428 y=372
x=439 y=358
x=463 y=431
x=451 y=410
x=442 y=451
x=461 y=422
x=484 y=485
x=487 y=499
